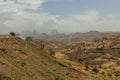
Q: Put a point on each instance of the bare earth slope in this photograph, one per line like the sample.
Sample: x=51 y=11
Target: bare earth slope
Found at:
x=20 y=60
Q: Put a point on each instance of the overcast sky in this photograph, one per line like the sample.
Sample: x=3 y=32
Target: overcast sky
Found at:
x=63 y=15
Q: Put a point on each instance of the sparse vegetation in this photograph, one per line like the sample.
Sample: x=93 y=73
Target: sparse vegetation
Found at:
x=3 y=77
x=95 y=69
x=22 y=51
x=40 y=65
x=117 y=78
x=103 y=73
x=21 y=62
x=57 y=77
x=110 y=75
x=86 y=67
x=31 y=73
x=117 y=73
x=52 y=53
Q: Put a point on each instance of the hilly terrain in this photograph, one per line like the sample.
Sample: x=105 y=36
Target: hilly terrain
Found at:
x=70 y=38
x=39 y=59
x=101 y=56
x=23 y=60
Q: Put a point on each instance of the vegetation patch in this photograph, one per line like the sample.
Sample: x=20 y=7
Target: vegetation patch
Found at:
x=117 y=73
x=22 y=51
x=103 y=73
x=86 y=67
x=95 y=69
x=12 y=34
x=21 y=62
x=117 y=78
x=110 y=75
x=3 y=77
x=31 y=73
x=56 y=76
x=52 y=60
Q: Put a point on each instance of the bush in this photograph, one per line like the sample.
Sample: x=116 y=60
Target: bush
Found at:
x=95 y=69
x=31 y=73
x=103 y=73
x=86 y=67
x=22 y=51
x=110 y=75
x=57 y=77
x=21 y=62
x=12 y=34
x=117 y=73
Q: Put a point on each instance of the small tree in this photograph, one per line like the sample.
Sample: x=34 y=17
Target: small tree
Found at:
x=12 y=34
x=86 y=67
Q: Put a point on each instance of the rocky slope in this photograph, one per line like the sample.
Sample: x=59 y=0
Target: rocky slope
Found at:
x=38 y=59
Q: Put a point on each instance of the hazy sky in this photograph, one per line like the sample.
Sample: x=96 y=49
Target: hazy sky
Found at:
x=63 y=15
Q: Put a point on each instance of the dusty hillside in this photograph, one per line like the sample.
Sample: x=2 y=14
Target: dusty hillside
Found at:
x=86 y=62
x=21 y=60
x=36 y=59
x=104 y=54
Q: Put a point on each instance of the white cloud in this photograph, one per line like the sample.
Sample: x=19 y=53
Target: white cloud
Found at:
x=14 y=17
x=30 y=4
x=91 y=15
x=29 y=21
x=19 y=5
x=92 y=20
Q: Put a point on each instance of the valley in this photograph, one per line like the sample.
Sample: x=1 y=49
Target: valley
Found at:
x=35 y=58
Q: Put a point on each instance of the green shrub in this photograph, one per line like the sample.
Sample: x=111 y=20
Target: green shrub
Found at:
x=31 y=73
x=57 y=77
x=21 y=51
x=12 y=34
x=95 y=69
x=21 y=62
x=117 y=73
x=86 y=67
x=103 y=73
x=110 y=75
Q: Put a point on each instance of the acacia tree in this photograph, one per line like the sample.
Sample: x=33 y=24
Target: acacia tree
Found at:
x=12 y=34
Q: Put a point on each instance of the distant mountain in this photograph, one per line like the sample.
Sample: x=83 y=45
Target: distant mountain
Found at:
x=72 y=37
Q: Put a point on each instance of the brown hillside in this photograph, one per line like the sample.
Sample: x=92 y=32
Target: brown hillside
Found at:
x=29 y=60
x=20 y=60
